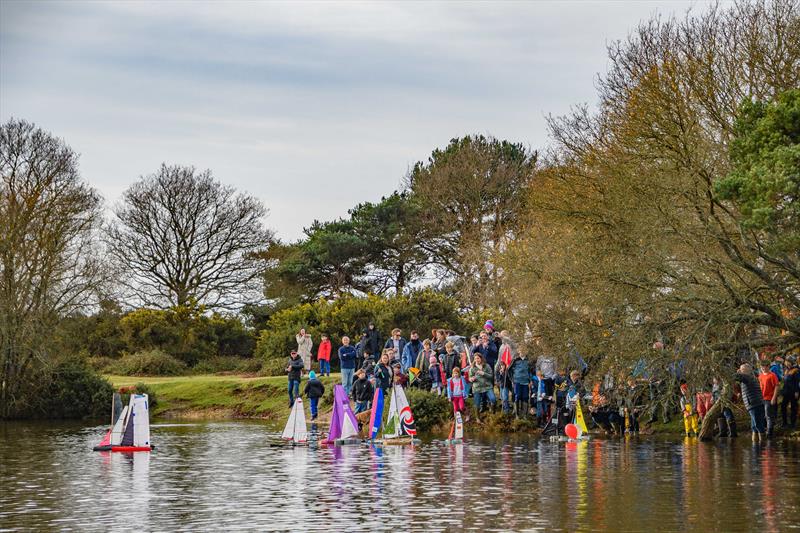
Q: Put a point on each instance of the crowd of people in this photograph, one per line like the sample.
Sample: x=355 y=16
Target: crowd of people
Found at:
x=496 y=374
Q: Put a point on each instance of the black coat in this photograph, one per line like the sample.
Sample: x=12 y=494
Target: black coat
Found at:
x=362 y=390
x=314 y=388
x=373 y=341
x=383 y=376
x=296 y=367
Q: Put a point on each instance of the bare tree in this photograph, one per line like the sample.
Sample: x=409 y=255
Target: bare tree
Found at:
x=48 y=217
x=180 y=236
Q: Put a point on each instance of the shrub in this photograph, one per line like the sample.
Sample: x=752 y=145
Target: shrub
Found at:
x=249 y=365
x=216 y=364
x=140 y=388
x=274 y=367
x=430 y=410
x=100 y=363
x=74 y=390
x=149 y=363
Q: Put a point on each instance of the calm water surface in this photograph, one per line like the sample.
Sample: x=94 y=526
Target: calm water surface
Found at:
x=224 y=476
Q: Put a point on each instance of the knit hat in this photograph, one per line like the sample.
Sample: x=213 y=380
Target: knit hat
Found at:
x=489 y=324
x=433 y=359
x=312 y=375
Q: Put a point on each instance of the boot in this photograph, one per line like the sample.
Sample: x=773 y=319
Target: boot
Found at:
x=517 y=408
x=732 y=428
x=722 y=426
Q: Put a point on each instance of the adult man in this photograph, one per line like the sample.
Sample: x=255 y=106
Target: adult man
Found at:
x=347 y=358
x=372 y=340
x=411 y=351
x=304 y=345
x=488 y=349
x=295 y=371
x=753 y=400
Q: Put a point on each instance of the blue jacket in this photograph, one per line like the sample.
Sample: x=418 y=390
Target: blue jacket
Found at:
x=347 y=356
x=521 y=371
x=777 y=369
x=409 y=354
x=390 y=344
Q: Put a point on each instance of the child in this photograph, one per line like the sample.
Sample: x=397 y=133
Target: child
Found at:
x=456 y=386
x=314 y=390
x=435 y=373
x=398 y=377
x=503 y=379
x=688 y=410
x=542 y=401
x=324 y=356
x=362 y=391
x=295 y=371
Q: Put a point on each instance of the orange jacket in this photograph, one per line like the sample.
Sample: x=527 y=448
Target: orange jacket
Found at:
x=324 y=351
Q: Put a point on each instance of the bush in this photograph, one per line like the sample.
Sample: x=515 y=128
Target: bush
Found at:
x=74 y=390
x=148 y=363
x=249 y=365
x=274 y=367
x=430 y=410
x=139 y=388
x=218 y=364
x=101 y=364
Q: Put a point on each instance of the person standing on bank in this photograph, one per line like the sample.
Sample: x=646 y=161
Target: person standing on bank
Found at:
x=295 y=372
x=304 y=345
x=347 y=359
x=753 y=401
x=324 y=356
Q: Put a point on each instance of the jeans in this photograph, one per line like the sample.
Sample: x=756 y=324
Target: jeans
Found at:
x=479 y=399
x=490 y=395
x=361 y=407
x=758 y=422
x=314 y=402
x=504 y=397
x=521 y=392
x=324 y=367
x=294 y=390
x=789 y=401
x=347 y=379
x=771 y=413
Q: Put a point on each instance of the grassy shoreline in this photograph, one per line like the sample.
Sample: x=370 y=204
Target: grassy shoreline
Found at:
x=218 y=396
x=232 y=396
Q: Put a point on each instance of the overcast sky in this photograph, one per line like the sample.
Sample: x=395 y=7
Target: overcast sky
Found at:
x=312 y=107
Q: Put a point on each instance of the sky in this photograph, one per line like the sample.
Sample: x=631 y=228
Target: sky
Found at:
x=312 y=107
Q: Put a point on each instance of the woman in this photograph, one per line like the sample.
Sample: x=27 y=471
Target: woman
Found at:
x=304 y=345
x=383 y=373
x=480 y=375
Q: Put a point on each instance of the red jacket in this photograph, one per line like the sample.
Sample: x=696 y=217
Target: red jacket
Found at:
x=324 y=351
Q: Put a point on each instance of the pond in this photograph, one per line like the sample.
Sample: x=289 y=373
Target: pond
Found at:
x=225 y=476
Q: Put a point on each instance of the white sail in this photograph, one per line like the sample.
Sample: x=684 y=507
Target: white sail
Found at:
x=288 y=431
x=401 y=421
x=119 y=427
x=459 y=432
x=348 y=430
x=141 y=420
x=300 y=429
x=392 y=428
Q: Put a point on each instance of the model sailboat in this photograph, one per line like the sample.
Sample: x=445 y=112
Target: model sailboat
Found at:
x=344 y=427
x=296 y=431
x=456 y=430
x=130 y=426
x=376 y=417
x=400 y=427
